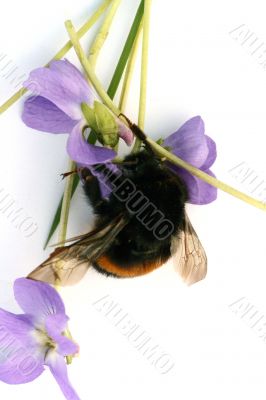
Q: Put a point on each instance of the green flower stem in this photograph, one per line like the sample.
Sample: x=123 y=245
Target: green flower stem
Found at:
x=61 y=53
x=66 y=203
x=128 y=75
x=144 y=70
x=129 y=71
x=103 y=33
x=63 y=227
x=56 y=219
x=159 y=149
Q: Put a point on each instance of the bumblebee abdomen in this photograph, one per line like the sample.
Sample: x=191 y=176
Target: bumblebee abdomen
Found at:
x=108 y=267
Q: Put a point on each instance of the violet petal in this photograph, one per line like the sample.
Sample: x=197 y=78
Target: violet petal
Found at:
x=189 y=142
x=37 y=298
x=20 y=361
x=212 y=155
x=66 y=90
x=84 y=153
x=55 y=326
x=70 y=71
x=105 y=186
x=125 y=133
x=58 y=368
x=199 y=191
x=39 y=113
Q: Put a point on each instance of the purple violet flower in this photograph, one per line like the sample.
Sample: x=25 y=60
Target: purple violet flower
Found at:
x=30 y=341
x=61 y=89
x=192 y=145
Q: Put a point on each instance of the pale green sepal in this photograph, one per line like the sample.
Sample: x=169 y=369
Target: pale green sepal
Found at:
x=107 y=128
x=89 y=115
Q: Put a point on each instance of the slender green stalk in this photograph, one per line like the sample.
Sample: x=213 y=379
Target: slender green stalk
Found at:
x=118 y=73
x=128 y=76
x=56 y=219
x=129 y=71
x=61 y=53
x=63 y=227
x=66 y=203
x=144 y=70
x=103 y=32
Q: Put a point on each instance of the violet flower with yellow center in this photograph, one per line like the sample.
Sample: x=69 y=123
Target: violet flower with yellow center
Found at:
x=31 y=341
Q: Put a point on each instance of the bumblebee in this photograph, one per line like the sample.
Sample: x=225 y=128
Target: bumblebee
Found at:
x=138 y=227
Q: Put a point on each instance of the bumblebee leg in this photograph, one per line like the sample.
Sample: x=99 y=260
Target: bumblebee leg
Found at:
x=75 y=171
x=91 y=187
x=130 y=124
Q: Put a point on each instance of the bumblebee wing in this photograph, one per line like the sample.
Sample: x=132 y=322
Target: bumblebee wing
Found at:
x=67 y=265
x=189 y=254
x=60 y=270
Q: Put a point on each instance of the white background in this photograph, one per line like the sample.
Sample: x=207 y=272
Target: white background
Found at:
x=196 y=68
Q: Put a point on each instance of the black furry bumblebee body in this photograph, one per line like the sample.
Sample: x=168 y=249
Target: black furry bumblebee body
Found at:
x=150 y=199
x=137 y=229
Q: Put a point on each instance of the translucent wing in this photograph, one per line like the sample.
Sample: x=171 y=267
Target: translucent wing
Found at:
x=189 y=255
x=67 y=265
